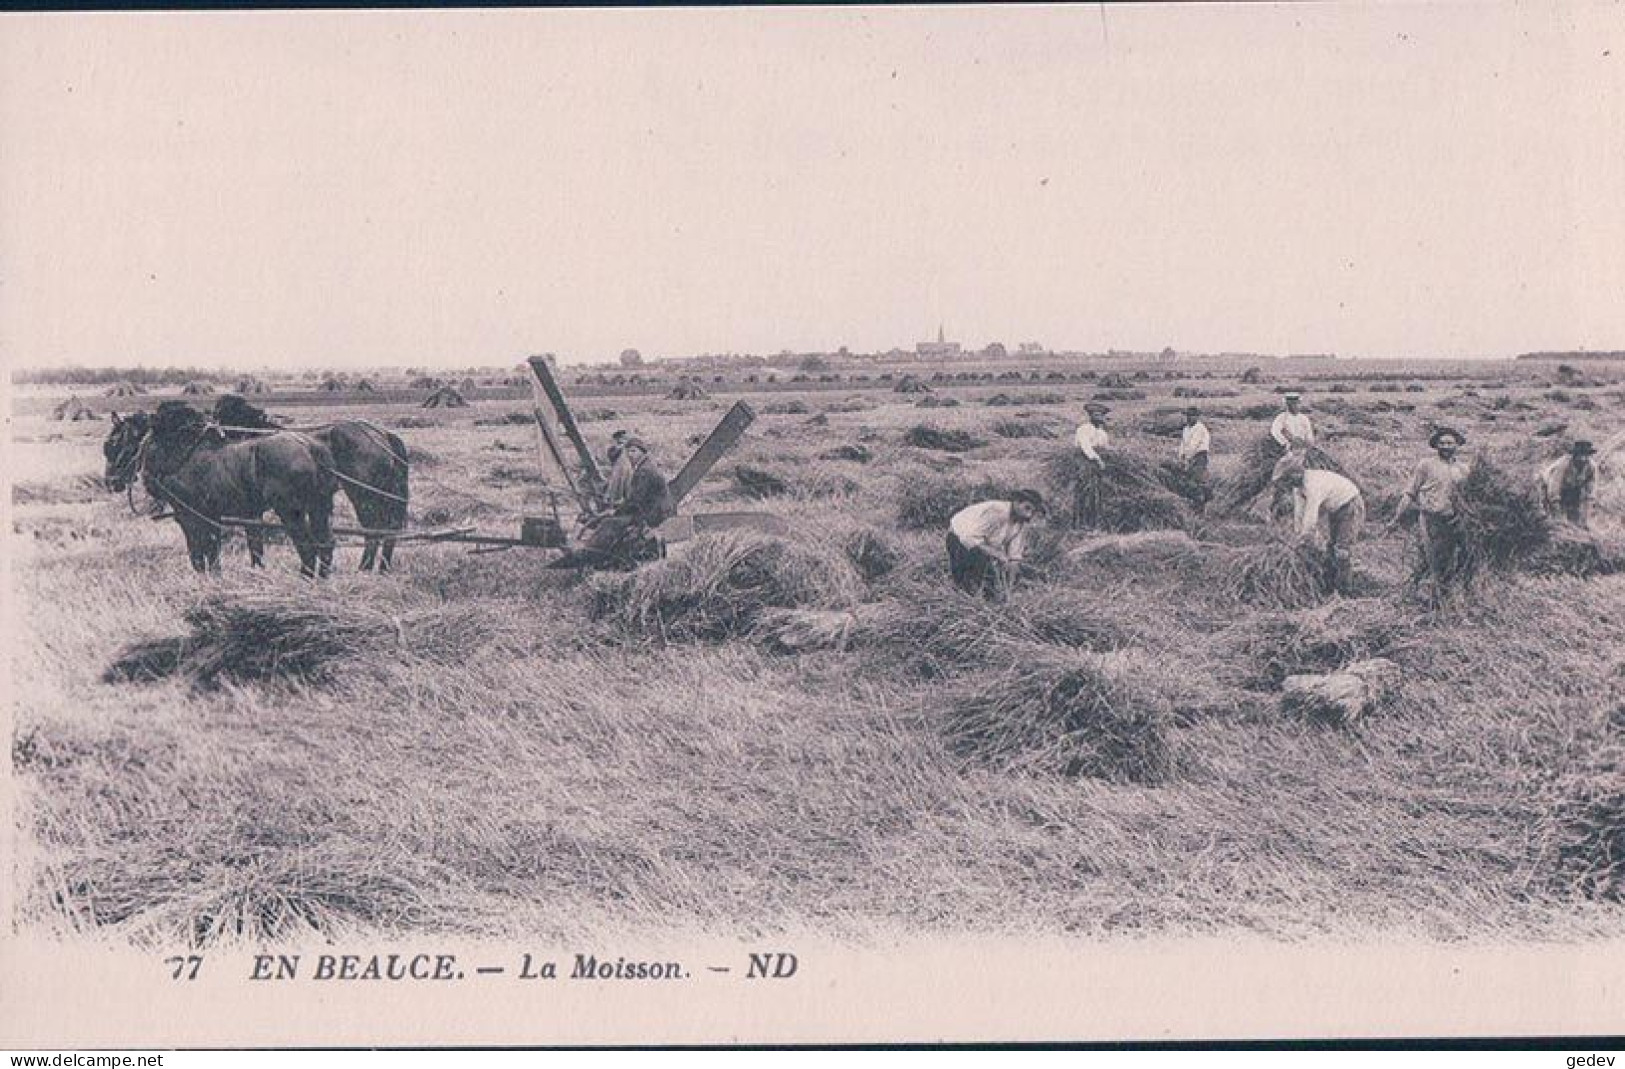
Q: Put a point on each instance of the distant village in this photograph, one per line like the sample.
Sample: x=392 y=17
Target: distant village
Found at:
x=784 y=364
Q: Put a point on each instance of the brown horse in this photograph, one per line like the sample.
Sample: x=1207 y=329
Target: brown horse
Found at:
x=369 y=463
x=186 y=463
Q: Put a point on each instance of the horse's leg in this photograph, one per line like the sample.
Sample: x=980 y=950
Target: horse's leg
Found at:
x=195 y=549
x=212 y=541
x=369 y=553
x=256 y=547
x=319 y=522
x=299 y=534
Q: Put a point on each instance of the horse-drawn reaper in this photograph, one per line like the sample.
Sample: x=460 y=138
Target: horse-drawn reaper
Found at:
x=222 y=474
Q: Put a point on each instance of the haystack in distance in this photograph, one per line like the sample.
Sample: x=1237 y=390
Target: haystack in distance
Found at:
x=445 y=397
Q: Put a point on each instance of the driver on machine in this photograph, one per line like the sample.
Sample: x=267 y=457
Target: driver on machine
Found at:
x=640 y=501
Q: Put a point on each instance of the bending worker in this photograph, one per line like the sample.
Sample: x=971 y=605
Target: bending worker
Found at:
x=1318 y=493
x=1568 y=483
x=987 y=542
x=1291 y=428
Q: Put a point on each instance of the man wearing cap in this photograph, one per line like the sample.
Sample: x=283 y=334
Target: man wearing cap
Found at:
x=1291 y=428
x=987 y=542
x=1568 y=483
x=642 y=503
x=1091 y=438
x=1433 y=493
x=1194 y=443
x=1324 y=493
x=620 y=467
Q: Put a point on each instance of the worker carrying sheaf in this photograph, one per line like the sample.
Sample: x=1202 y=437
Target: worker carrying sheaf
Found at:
x=1324 y=493
x=1568 y=484
x=1091 y=438
x=987 y=543
x=1291 y=428
x=1434 y=493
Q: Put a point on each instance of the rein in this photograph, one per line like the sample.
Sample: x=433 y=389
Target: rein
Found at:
x=164 y=492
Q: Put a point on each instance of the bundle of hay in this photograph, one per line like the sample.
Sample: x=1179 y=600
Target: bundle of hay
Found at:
x=759 y=483
x=1587 y=827
x=125 y=389
x=1068 y=713
x=929 y=629
x=929 y=503
x=1265 y=649
x=720 y=587
x=72 y=410
x=871 y=553
x=1133 y=496
x=1502 y=523
x=925 y=436
x=910 y=384
x=856 y=453
x=197 y=388
x=1115 y=380
x=1343 y=697
x=1575 y=553
x=786 y=408
x=1257 y=464
x=278 y=631
x=1015 y=428
x=1274 y=575
x=1164 y=422
x=937 y=402
x=805 y=630
x=1144 y=552
x=445 y=397
x=687 y=390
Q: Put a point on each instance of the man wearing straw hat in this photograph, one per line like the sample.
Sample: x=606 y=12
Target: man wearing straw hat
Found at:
x=987 y=542
x=1433 y=492
x=1568 y=483
x=1291 y=428
x=1314 y=494
x=1091 y=438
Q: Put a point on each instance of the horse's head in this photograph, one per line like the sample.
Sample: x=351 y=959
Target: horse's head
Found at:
x=234 y=411
x=122 y=449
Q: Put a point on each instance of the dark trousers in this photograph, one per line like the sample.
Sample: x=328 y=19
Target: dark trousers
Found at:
x=1196 y=471
x=1444 y=552
x=974 y=570
x=1086 y=496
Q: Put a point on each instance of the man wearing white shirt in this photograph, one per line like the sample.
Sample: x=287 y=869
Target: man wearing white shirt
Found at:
x=1194 y=443
x=1292 y=429
x=987 y=542
x=1314 y=494
x=1091 y=438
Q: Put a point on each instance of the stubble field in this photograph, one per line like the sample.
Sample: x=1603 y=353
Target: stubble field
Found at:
x=476 y=745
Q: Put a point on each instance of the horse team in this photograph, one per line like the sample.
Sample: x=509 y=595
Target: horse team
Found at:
x=215 y=474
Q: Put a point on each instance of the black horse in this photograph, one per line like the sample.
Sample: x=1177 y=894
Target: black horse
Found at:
x=188 y=464
x=369 y=462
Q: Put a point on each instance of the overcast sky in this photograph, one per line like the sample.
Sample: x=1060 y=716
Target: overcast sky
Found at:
x=458 y=188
